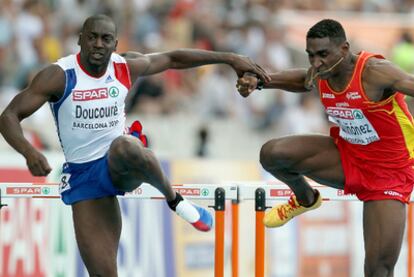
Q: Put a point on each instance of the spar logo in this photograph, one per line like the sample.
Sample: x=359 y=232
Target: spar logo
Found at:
x=280 y=192
x=24 y=190
x=90 y=94
x=188 y=191
x=113 y=92
x=345 y=113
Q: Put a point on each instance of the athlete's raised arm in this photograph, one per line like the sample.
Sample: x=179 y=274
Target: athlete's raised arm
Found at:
x=142 y=65
x=48 y=84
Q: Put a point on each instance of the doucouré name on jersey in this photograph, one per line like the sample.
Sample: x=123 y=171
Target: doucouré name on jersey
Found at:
x=92 y=113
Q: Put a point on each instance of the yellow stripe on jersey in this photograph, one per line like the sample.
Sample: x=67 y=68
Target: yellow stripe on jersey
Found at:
x=407 y=128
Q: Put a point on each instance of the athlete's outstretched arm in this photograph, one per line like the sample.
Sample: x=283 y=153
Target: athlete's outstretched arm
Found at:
x=142 y=65
x=48 y=83
x=294 y=80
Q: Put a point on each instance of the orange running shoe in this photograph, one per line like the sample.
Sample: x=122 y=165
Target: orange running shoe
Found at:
x=281 y=214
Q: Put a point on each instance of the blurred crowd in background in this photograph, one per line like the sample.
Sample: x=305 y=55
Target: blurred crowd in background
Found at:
x=34 y=33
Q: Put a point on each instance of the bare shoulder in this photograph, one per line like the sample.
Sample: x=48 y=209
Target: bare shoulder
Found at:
x=378 y=70
x=50 y=81
x=375 y=64
x=137 y=63
x=55 y=71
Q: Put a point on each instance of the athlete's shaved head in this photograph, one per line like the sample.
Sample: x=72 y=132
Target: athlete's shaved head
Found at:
x=98 y=17
x=97 y=41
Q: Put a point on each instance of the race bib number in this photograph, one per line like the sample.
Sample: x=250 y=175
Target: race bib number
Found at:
x=354 y=126
x=64 y=182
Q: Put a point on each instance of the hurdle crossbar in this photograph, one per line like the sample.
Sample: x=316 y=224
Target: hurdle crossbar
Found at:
x=145 y=191
x=234 y=191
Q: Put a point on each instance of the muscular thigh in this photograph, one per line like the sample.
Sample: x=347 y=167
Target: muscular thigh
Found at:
x=315 y=156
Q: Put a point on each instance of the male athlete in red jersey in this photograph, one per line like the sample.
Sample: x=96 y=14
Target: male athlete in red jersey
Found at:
x=369 y=153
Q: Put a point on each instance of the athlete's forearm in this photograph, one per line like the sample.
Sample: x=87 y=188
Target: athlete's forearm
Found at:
x=186 y=58
x=291 y=80
x=12 y=132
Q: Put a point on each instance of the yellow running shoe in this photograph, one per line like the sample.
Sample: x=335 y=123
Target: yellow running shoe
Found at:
x=281 y=214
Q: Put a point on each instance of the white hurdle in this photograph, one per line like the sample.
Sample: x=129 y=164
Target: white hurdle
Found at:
x=145 y=191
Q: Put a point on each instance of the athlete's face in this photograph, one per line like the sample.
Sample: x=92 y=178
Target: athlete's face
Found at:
x=324 y=55
x=97 y=42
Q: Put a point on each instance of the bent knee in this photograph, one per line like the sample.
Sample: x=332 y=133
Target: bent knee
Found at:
x=127 y=149
x=275 y=154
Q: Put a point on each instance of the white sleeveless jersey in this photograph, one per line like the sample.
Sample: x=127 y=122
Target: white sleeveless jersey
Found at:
x=90 y=114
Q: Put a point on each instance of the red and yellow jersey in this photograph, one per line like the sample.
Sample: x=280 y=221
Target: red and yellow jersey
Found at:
x=380 y=132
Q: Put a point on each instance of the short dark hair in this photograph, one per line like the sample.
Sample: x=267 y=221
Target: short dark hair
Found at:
x=97 y=17
x=329 y=28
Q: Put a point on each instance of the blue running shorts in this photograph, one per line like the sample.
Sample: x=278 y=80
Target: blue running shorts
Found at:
x=90 y=180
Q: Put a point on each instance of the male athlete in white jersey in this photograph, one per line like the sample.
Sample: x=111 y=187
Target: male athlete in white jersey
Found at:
x=86 y=93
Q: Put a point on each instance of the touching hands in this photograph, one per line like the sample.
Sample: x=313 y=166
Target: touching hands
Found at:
x=37 y=163
x=247 y=84
x=243 y=64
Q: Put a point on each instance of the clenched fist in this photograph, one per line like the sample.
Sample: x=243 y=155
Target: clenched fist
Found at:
x=247 y=84
x=37 y=163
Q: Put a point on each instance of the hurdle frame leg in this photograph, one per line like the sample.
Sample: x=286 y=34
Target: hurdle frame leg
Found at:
x=235 y=238
x=260 y=207
x=219 y=207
